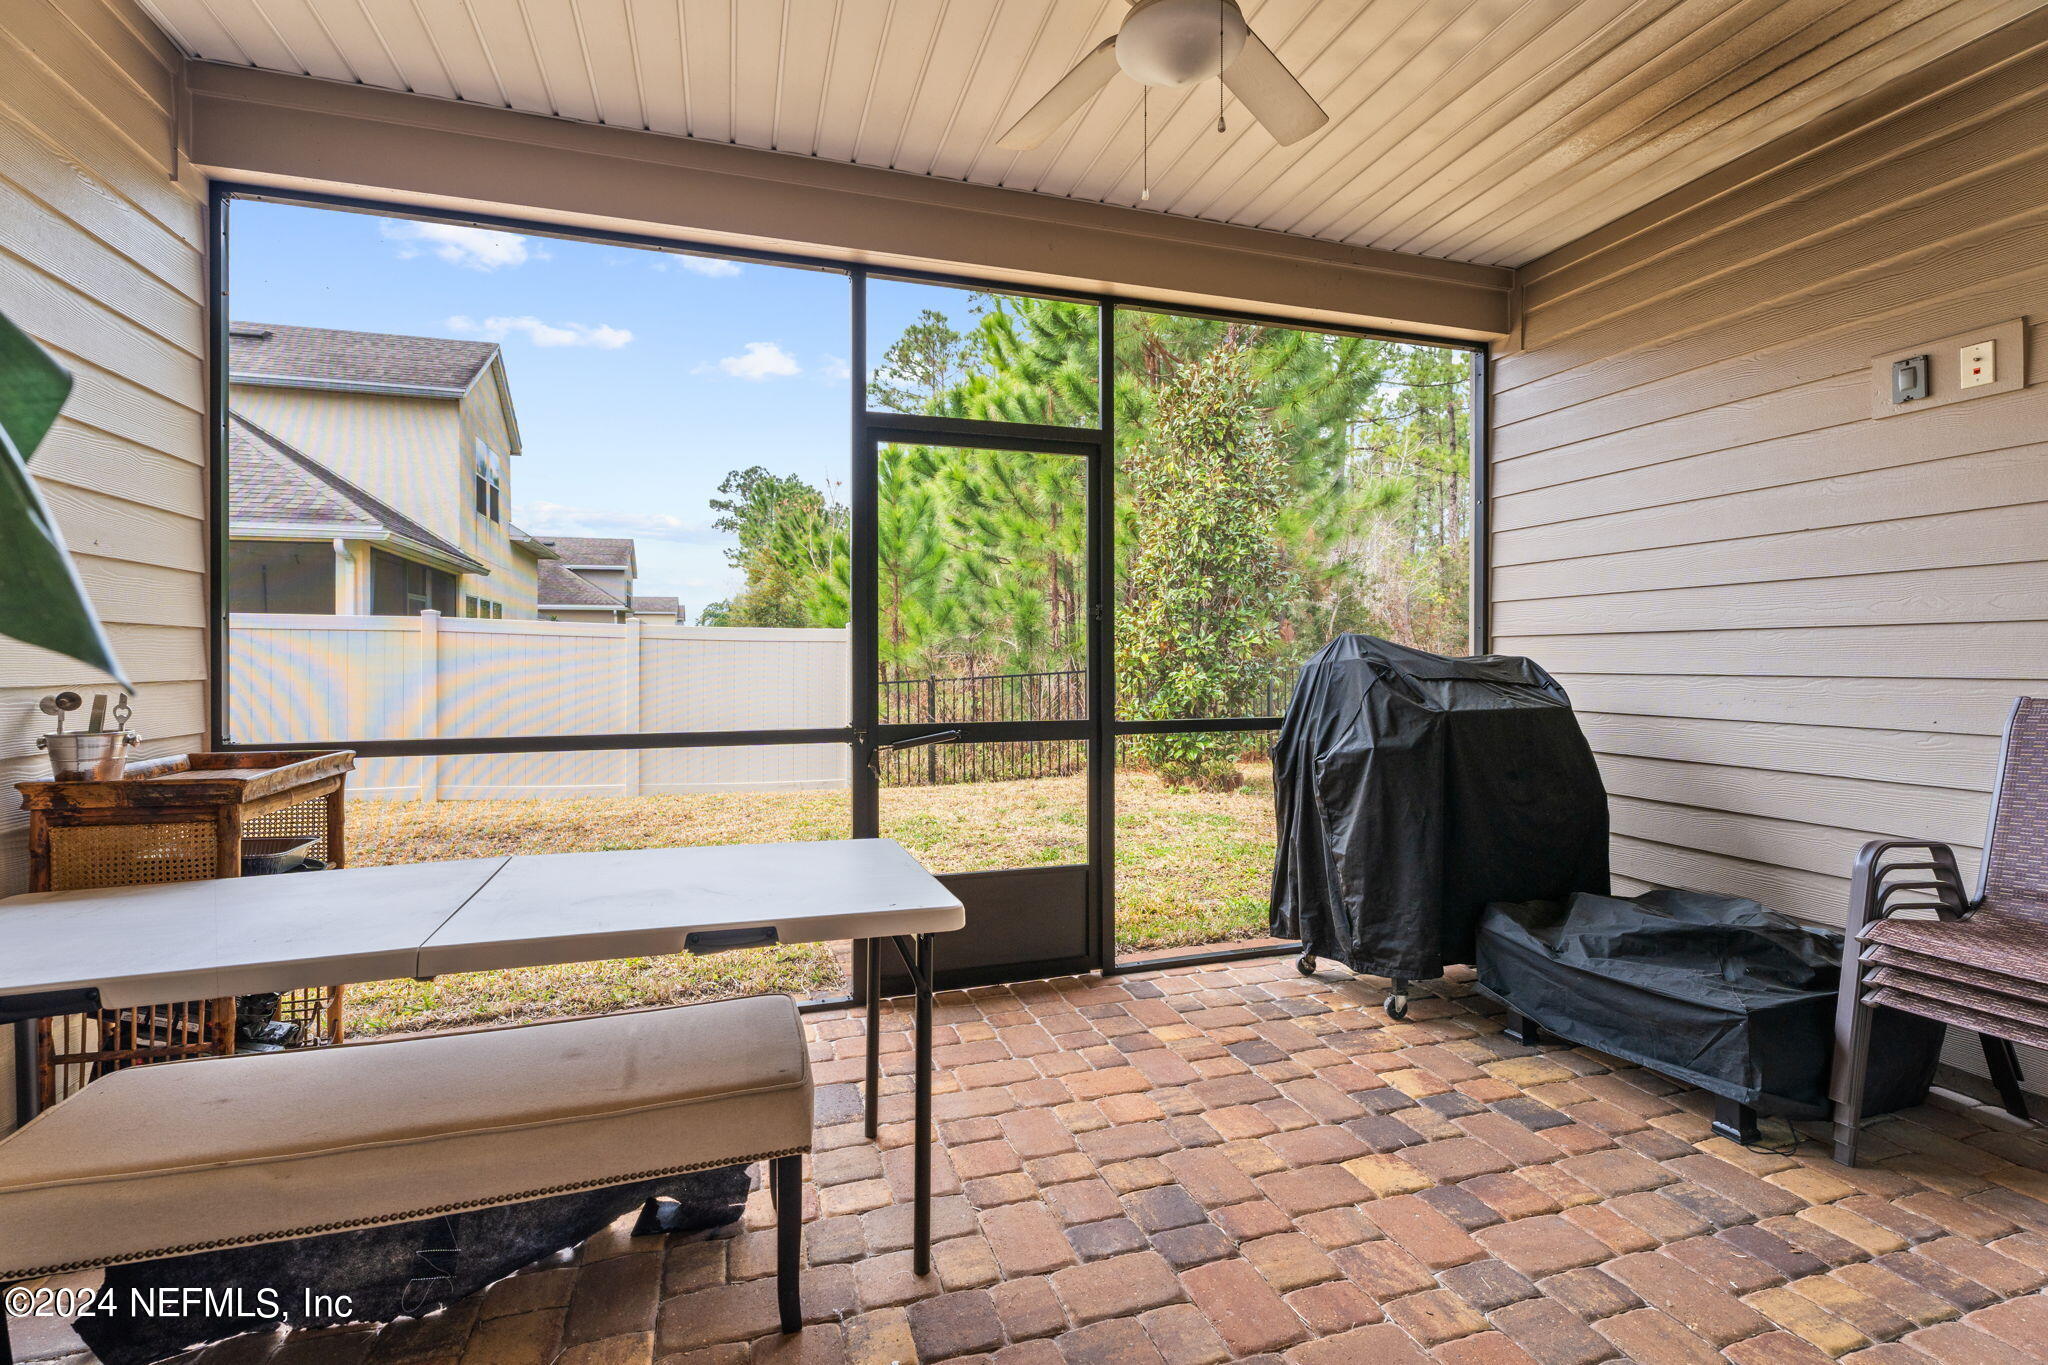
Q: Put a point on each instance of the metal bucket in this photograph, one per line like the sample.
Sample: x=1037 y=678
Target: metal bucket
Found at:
x=88 y=755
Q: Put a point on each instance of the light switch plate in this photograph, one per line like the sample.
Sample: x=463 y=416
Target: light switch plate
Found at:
x=2007 y=341
x=1977 y=365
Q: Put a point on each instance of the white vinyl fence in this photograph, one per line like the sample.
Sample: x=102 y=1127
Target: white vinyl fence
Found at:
x=336 y=678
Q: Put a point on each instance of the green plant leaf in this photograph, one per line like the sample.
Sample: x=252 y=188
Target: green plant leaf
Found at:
x=42 y=601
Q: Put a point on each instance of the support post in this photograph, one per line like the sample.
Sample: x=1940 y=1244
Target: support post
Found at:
x=630 y=645
x=429 y=674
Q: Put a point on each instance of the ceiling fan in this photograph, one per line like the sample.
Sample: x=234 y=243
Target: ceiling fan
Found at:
x=1176 y=43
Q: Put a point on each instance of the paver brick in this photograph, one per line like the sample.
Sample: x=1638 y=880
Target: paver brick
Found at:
x=1705 y=1309
x=1119 y=1286
x=1542 y=1246
x=1248 y=1314
x=1551 y=1334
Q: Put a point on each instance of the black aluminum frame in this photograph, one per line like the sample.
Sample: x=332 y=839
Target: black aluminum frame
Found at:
x=1101 y=728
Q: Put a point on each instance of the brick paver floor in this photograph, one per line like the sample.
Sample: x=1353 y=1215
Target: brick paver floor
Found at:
x=1237 y=1162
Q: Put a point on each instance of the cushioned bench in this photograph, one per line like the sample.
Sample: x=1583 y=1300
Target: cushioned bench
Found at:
x=193 y=1156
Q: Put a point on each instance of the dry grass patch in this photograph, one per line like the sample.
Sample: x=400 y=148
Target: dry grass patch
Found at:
x=1192 y=868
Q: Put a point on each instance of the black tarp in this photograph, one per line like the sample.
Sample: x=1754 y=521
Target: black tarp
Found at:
x=1413 y=789
x=1715 y=991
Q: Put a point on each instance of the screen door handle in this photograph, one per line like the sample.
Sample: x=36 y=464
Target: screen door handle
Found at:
x=914 y=742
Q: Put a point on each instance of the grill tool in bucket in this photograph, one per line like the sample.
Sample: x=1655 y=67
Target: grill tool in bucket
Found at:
x=94 y=755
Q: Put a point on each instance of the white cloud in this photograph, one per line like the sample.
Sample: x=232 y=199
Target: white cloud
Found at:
x=760 y=360
x=710 y=266
x=602 y=336
x=469 y=247
x=838 y=367
x=561 y=519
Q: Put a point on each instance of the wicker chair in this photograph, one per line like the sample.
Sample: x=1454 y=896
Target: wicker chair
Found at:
x=1979 y=963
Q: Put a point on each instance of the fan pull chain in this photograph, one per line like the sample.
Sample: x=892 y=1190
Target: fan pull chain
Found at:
x=1145 y=142
x=1221 y=47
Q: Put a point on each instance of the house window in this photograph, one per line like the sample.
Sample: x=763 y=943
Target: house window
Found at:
x=487 y=485
x=483 y=609
x=280 y=576
x=404 y=587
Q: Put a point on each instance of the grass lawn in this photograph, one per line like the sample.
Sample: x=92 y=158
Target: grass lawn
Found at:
x=1192 y=868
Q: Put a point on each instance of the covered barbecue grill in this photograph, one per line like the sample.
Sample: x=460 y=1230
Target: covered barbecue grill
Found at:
x=1413 y=789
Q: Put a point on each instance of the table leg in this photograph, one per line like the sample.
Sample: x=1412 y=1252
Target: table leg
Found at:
x=871 y=986
x=922 y=1255
x=917 y=960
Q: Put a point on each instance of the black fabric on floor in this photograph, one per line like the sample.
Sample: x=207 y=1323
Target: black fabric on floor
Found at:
x=407 y=1270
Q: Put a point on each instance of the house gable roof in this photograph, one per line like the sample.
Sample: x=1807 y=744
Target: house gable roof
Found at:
x=561 y=586
x=321 y=357
x=273 y=487
x=594 y=552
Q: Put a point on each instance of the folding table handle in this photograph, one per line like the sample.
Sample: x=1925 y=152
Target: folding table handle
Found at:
x=704 y=941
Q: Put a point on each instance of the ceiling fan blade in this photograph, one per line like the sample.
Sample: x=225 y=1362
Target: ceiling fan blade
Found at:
x=1064 y=100
x=1272 y=94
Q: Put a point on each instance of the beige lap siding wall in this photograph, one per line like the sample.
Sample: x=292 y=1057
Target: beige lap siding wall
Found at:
x=1791 y=627
x=102 y=259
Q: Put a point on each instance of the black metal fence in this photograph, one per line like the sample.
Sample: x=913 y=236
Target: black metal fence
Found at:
x=999 y=697
x=986 y=697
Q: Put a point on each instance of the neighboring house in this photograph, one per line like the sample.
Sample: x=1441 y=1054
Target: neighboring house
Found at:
x=658 y=611
x=378 y=464
x=591 y=579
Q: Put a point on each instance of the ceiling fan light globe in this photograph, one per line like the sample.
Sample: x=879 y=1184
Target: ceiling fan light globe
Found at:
x=1176 y=42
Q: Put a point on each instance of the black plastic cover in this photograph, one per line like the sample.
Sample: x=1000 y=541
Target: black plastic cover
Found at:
x=1412 y=789
x=1715 y=991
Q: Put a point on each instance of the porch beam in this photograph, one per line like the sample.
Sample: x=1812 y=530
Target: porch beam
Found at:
x=299 y=133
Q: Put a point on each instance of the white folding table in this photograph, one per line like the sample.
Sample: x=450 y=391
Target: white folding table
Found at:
x=67 y=952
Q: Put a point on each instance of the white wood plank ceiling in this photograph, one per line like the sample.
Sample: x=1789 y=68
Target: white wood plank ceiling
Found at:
x=1478 y=130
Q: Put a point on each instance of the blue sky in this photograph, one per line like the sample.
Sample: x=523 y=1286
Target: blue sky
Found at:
x=641 y=378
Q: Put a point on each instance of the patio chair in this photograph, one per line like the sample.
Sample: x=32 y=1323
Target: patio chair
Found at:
x=1979 y=963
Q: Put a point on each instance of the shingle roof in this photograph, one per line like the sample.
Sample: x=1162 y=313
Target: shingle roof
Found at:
x=658 y=604
x=600 y=551
x=270 y=483
x=561 y=586
x=316 y=355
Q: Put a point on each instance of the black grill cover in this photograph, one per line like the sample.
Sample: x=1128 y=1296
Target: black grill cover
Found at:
x=1715 y=991
x=1412 y=789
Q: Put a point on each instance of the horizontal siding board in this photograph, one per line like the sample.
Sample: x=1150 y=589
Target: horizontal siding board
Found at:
x=1943 y=705
x=110 y=527
x=1990 y=593
x=1841 y=305
x=1887 y=809
x=1990 y=423
x=1767 y=363
x=1793 y=844
x=1988 y=535
x=1994 y=478
x=2016 y=651
x=1810 y=896
x=75 y=133
x=87 y=204
x=1828 y=402
x=81 y=456
x=1904 y=757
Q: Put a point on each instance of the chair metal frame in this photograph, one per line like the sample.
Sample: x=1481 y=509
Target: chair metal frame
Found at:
x=1874 y=895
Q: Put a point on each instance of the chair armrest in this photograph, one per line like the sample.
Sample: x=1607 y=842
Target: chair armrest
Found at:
x=1872 y=896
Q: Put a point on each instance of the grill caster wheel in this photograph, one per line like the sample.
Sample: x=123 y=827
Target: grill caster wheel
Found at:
x=1397 y=1007
x=1306 y=964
